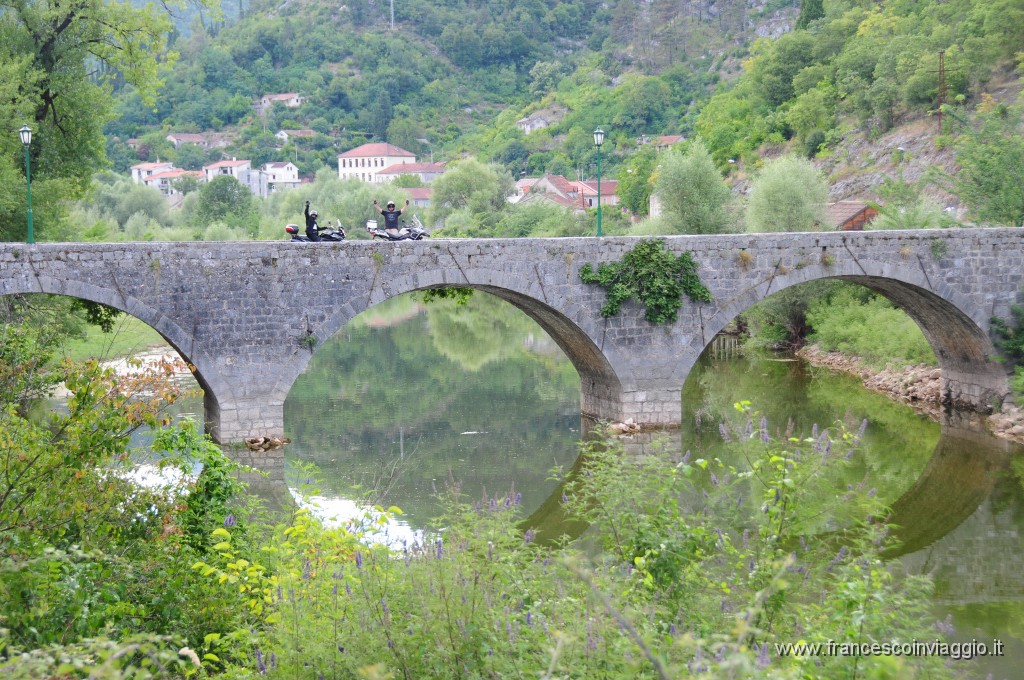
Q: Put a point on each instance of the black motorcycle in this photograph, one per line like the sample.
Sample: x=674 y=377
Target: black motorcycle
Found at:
x=329 y=234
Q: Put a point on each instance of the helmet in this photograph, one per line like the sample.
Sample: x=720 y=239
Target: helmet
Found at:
x=391 y=204
x=313 y=213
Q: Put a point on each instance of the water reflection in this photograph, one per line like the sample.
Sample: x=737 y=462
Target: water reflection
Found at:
x=409 y=399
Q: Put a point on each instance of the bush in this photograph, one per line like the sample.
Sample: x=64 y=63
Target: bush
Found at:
x=866 y=325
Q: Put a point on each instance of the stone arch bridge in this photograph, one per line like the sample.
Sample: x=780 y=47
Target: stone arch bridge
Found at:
x=249 y=315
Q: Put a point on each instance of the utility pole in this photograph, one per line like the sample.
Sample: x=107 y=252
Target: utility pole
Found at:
x=392 y=15
x=942 y=85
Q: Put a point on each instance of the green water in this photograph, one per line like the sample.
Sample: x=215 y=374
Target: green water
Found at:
x=409 y=399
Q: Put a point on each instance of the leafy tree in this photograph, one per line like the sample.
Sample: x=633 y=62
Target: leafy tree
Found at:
x=50 y=53
x=991 y=159
x=480 y=188
x=224 y=199
x=691 y=190
x=789 y=194
x=810 y=10
x=634 y=188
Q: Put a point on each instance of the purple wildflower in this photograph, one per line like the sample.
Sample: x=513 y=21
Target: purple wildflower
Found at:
x=529 y=535
x=762 y=656
x=230 y=521
x=508 y=502
x=871 y=494
x=307 y=569
x=750 y=428
x=686 y=456
x=359 y=559
x=260 y=666
x=714 y=479
x=529 y=618
x=764 y=430
x=519 y=498
x=565 y=499
x=440 y=549
x=724 y=432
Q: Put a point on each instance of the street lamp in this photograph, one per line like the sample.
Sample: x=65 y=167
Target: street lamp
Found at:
x=26 y=140
x=598 y=141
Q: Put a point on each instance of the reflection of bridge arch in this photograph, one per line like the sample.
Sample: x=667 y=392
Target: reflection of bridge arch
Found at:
x=953 y=327
x=954 y=483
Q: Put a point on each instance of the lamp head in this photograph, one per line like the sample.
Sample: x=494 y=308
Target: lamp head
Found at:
x=598 y=137
x=26 y=135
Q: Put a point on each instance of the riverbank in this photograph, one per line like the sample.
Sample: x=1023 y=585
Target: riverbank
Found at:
x=918 y=386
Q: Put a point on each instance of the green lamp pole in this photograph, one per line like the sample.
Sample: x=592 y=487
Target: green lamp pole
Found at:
x=26 y=140
x=598 y=141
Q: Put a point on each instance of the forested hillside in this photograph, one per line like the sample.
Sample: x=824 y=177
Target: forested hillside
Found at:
x=456 y=74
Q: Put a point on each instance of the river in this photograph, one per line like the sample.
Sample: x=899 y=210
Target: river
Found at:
x=410 y=399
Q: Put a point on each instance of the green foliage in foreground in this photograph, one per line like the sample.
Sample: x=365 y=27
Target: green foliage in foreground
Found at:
x=700 y=568
x=866 y=325
x=703 y=568
x=651 y=275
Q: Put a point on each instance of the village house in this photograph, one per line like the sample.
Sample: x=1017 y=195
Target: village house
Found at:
x=291 y=135
x=419 y=196
x=365 y=161
x=165 y=182
x=427 y=172
x=140 y=171
x=290 y=100
x=238 y=169
x=206 y=140
x=851 y=215
x=574 y=195
x=271 y=177
x=535 y=121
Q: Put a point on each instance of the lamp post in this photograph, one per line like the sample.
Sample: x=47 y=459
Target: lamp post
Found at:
x=598 y=141
x=26 y=140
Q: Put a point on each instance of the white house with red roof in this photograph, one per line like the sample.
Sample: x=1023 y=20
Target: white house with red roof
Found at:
x=290 y=135
x=564 y=192
x=238 y=169
x=165 y=181
x=419 y=196
x=364 y=162
x=427 y=172
x=291 y=100
x=141 y=171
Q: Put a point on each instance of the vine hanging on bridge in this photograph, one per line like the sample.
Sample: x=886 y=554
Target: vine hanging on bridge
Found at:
x=651 y=275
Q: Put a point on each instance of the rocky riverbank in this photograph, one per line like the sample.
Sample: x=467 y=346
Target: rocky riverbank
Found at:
x=918 y=386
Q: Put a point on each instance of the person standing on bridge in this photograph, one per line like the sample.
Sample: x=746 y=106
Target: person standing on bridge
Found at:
x=390 y=214
x=312 y=228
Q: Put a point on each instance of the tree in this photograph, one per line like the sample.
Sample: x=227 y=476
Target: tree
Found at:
x=224 y=199
x=991 y=158
x=691 y=190
x=58 y=66
x=472 y=185
x=810 y=10
x=789 y=194
x=634 y=188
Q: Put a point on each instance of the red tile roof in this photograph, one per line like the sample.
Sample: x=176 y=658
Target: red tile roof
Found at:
x=376 y=149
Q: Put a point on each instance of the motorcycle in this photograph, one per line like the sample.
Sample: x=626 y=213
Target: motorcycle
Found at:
x=405 y=233
x=334 y=234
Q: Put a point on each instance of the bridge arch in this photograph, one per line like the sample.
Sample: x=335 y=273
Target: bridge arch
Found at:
x=203 y=366
x=956 y=330
x=600 y=383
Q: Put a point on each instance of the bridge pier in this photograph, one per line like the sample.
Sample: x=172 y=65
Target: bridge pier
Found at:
x=235 y=421
x=655 y=406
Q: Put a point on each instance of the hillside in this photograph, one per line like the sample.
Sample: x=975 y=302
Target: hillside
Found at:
x=451 y=78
